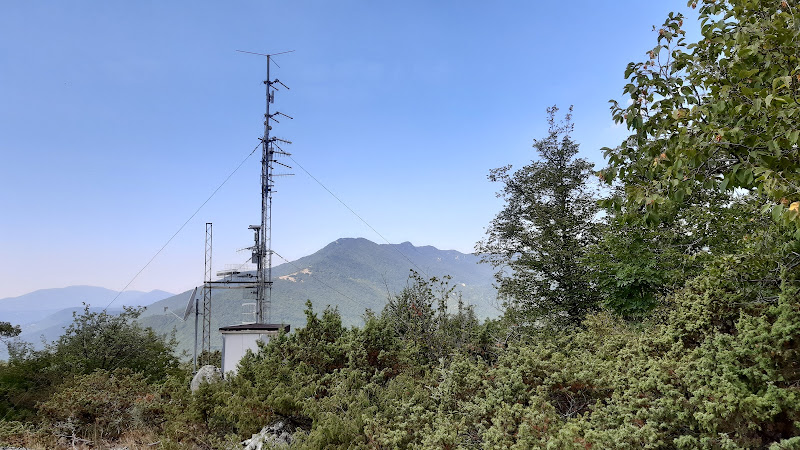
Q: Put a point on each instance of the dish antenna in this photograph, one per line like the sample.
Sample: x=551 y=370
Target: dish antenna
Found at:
x=190 y=305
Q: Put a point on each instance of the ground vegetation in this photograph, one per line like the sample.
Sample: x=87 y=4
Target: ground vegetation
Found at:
x=690 y=337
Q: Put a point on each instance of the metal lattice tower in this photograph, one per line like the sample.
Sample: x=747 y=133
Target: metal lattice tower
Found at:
x=262 y=252
x=205 y=346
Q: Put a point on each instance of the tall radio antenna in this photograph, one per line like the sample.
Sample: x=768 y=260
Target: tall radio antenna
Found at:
x=270 y=149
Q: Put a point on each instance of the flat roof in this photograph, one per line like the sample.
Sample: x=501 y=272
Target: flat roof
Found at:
x=256 y=327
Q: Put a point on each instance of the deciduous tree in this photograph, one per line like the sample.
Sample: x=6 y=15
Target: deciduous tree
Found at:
x=537 y=240
x=8 y=331
x=718 y=113
x=99 y=340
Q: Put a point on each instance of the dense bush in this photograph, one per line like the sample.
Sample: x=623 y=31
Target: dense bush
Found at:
x=698 y=347
x=93 y=342
x=101 y=405
x=714 y=367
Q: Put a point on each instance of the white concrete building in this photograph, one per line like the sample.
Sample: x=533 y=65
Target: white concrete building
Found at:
x=237 y=339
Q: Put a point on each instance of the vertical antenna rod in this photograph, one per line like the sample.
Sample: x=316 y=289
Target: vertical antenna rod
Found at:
x=205 y=347
x=196 y=316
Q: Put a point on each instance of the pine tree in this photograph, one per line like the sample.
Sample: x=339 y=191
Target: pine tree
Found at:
x=537 y=240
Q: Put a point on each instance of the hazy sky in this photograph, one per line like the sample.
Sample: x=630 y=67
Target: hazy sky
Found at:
x=118 y=119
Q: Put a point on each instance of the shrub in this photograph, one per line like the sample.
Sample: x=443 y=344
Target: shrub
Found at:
x=100 y=405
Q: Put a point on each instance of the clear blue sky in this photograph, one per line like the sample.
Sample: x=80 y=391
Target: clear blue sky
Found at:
x=118 y=119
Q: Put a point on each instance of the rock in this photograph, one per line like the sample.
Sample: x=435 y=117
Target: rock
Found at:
x=277 y=435
x=206 y=374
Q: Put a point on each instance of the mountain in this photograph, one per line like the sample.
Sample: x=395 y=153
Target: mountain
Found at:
x=43 y=314
x=29 y=308
x=51 y=327
x=351 y=274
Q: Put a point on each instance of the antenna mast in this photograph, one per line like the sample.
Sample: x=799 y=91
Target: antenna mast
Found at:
x=270 y=148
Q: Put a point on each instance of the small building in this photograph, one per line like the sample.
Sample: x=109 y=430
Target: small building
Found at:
x=237 y=339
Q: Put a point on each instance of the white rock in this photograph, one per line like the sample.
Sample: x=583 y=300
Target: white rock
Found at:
x=277 y=435
x=206 y=374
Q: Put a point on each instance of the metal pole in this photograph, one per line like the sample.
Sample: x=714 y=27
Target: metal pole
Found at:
x=196 y=318
x=205 y=346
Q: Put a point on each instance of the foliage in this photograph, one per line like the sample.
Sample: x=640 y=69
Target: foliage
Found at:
x=98 y=340
x=330 y=380
x=100 y=405
x=714 y=367
x=213 y=358
x=634 y=266
x=540 y=235
x=419 y=316
x=719 y=113
x=698 y=346
x=94 y=341
x=8 y=331
x=15 y=433
x=708 y=373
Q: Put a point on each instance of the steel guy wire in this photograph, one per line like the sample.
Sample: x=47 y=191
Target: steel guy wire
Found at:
x=356 y=214
x=182 y=226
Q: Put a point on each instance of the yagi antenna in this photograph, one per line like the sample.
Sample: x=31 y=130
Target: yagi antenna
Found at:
x=267 y=55
x=282 y=114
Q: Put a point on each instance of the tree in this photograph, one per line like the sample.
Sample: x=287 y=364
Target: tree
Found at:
x=720 y=113
x=8 y=331
x=539 y=237
x=633 y=266
x=94 y=341
x=99 y=340
x=423 y=316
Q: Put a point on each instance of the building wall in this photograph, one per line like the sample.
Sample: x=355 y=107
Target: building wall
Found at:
x=235 y=345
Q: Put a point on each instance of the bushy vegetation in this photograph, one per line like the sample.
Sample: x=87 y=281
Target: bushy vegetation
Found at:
x=687 y=334
x=94 y=383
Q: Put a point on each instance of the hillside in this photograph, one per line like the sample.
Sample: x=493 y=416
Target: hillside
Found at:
x=32 y=307
x=351 y=274
x=44 y=313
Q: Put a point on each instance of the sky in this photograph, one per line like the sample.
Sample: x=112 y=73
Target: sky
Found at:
x=119 y=119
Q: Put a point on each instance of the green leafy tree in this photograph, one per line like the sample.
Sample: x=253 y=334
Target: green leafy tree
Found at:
x=8 y=331
x=539 y=237
x=423 y=317
x=99 y=340
x=94 y=341
x=635 y=266
x=718 y=113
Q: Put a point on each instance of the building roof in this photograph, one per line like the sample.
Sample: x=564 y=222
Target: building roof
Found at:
x=256 y=327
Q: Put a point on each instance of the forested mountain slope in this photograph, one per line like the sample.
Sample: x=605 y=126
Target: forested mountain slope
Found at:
x=351 y=274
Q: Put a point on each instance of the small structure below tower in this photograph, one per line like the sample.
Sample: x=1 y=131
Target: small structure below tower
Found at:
x=237 y=339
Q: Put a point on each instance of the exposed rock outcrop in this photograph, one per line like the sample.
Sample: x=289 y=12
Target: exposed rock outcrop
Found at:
x=206 y=374
x=277 y=435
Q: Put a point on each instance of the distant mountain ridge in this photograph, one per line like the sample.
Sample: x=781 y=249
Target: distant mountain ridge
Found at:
x=44 y=313
x=66 y=297
x=351 y=274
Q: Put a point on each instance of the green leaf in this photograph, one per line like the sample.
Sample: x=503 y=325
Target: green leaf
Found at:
x=777 y=211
